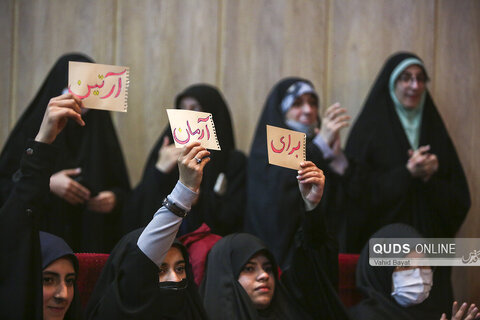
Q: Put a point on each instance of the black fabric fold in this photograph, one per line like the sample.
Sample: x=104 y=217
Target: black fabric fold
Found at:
x=390 y=194
x=222 y=213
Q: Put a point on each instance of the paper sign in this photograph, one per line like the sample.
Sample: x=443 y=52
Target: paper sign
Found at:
x=190 y=126
x=100 y=86
x=286 y=148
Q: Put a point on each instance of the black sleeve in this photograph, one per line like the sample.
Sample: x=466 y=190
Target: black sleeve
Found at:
x=312 y=278
x=20 y=267
x=224 y=213
x=128 y=286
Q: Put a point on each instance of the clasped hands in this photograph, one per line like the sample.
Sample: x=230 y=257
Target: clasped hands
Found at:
x=421 y=163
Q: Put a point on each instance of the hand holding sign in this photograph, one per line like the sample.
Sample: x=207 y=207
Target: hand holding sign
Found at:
x=99 y=86
x=286 y=148
x=189 y=126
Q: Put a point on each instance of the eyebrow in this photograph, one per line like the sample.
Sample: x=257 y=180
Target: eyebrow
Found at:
x=52 y=273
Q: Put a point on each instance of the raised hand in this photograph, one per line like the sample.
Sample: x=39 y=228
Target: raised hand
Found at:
x=457 y=314
x=58 y=111
x=167 y=156
x=191 y=162
x=311 y=182
x=334 y=119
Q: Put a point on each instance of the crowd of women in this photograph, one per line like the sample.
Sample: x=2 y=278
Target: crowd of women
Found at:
x=64 y=188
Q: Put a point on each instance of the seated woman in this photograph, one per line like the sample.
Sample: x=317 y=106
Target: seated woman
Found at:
x=403 y=292
x=147 y=275
x=90 y=178
x=26 y=251
x=60 y=270
x=242 y=279
x=411 y=171
x=272 y=195
x=222 y=197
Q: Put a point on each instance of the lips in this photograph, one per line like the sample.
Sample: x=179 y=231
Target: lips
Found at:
x=56 y=309
x=262 y=289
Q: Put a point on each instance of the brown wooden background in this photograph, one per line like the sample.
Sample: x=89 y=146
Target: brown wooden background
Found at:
x=244 y=47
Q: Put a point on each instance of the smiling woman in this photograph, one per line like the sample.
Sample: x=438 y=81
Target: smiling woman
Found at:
x=410 y=169
x=60 y=269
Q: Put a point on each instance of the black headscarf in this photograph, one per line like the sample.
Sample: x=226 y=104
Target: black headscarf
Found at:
x=225 y=298
x=274 y=207
x=376 y=285
x=378 y=141
x=128 y=288
x=222 y=216
x=94 y=148
x=54 y=248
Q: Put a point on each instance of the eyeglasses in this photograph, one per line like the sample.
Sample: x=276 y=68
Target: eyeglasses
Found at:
x=408 y=78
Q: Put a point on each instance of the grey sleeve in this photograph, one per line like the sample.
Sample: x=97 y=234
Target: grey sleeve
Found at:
x=158 y=236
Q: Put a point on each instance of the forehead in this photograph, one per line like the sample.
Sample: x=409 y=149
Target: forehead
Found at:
x=189 y=101
x=259 y=258
x=174 y=255
x=414 y=69
x=60 y=266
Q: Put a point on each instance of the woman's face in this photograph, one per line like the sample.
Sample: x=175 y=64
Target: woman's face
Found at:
x=189 y=103
x=173 y=266
x=258 y=280
x=410 y=86
x=58 y=288
x=304 y=110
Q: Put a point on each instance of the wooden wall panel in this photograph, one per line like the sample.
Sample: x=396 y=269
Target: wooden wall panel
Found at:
x=168 y=46
x=244 y=47
x=7 y=25
x=48 y=29
x=457 y=79
x=262 y=42
x=364 y=34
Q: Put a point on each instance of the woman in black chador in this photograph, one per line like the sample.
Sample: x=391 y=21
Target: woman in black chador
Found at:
x=222 y=197
x=406 y=292
x=242 y=280
x=411 y=169
x=274 y=207
x=90 y=179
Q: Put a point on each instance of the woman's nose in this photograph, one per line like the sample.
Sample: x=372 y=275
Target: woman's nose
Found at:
x=61 y=291
x=173 y=276
x=307 y=108
x=263 y=275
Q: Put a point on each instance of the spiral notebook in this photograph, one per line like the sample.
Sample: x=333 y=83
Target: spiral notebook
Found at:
x=286 y=148
x=190 y=126
x=100 y=86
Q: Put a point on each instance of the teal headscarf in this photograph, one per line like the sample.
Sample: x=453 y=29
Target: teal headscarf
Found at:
x=410 y=118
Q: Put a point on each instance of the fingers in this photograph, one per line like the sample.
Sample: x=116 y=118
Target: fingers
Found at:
x=461 y=311
x=334 y=107
x=444 y=317
x=72 y=172
x=310 y=173
x=79 y=190
x=188 y=148
x=166 y=141
x=104 y=202
x=423 y=149
x=472 y=312
x=59 y=112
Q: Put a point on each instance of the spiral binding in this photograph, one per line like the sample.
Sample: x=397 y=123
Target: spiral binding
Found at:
x=304 y=147
x=127 y=84
x=214 y=131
